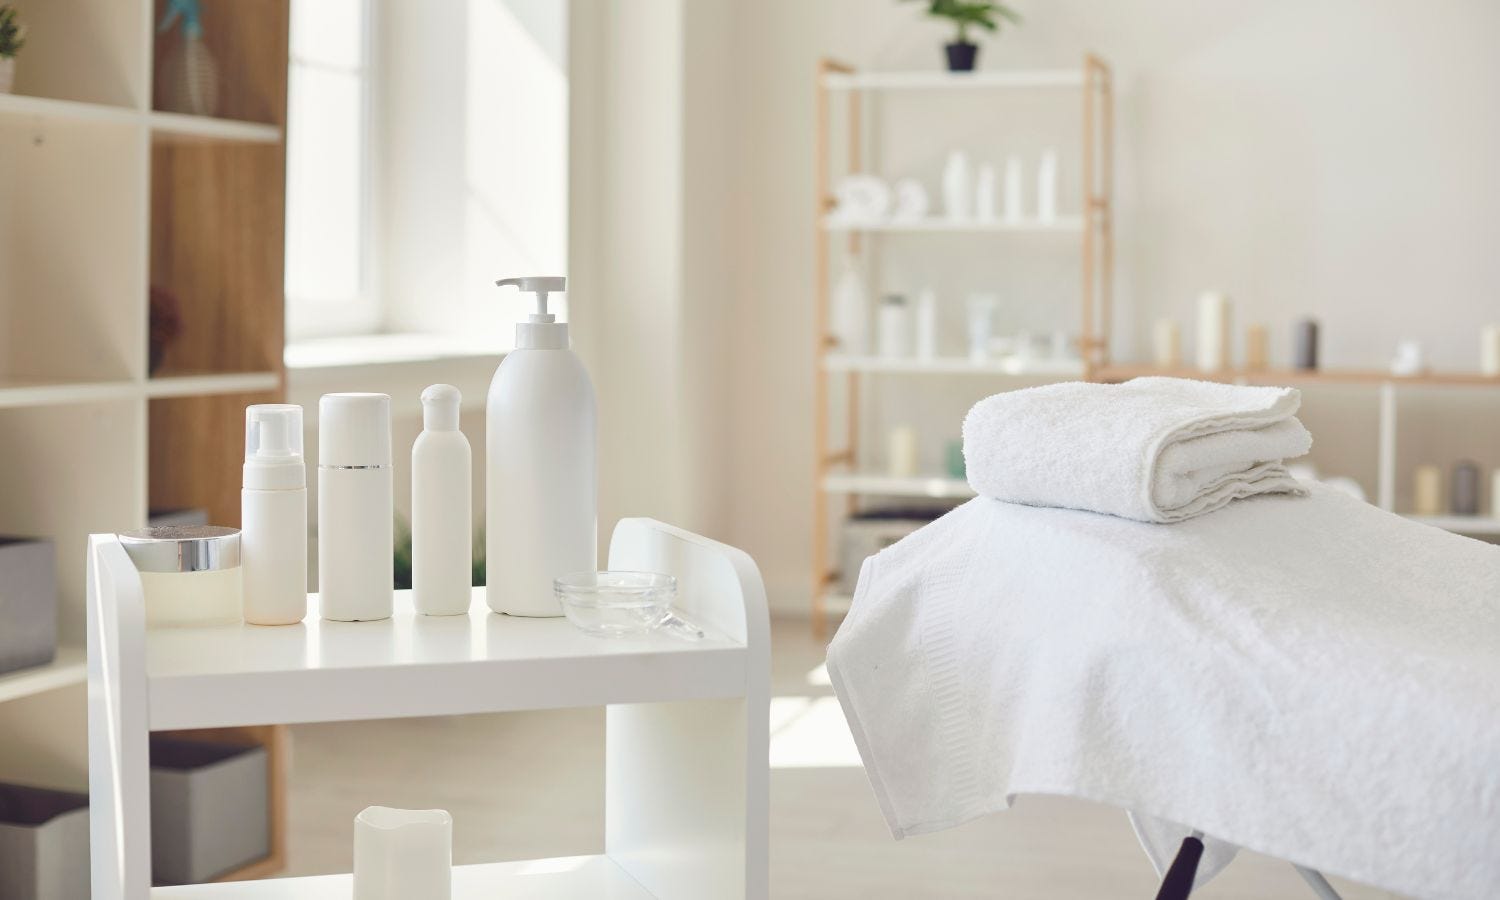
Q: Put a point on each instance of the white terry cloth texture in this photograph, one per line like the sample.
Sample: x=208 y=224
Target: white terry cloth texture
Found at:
x=1152 y=449
x=1308 y=677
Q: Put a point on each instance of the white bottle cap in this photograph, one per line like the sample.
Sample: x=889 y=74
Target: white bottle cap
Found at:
x=541 y=330
x=440 y=404
x=354 y=431
x=273 y=447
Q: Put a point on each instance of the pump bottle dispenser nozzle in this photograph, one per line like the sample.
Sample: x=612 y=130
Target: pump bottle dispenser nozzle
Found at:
x=541 y=330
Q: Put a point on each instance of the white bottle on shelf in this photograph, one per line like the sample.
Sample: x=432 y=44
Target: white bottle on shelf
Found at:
x=442 y=556
x=1014 y=200
x=893 y=327
x=927 y=324
x=851 y=311
x=356 y=571
x=273 y=516
x=541 y=488
x=958 y=189
x=1046 y=188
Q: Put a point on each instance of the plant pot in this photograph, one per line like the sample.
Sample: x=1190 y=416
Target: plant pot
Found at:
x=7 y=73
x=961 y=56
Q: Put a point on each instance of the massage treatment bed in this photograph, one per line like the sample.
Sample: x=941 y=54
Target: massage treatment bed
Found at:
x=1308 y=677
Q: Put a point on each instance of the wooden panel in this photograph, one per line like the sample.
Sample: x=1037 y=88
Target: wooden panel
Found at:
x=197 y=450
x=248 y=41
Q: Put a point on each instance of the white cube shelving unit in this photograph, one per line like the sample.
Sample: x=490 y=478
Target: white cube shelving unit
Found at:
x=687 y=721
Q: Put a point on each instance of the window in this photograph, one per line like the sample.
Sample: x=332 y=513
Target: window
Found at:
x=328 y=274
x=427 y=155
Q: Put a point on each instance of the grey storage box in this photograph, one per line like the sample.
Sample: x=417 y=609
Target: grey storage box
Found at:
x=209 y=809
x=870 y=531
x=28 y=602
x=44 y=844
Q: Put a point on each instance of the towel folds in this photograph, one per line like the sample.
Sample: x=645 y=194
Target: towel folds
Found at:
x=1151 y=449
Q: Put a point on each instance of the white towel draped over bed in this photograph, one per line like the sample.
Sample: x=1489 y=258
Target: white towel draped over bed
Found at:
x=1309 y=677
x=1152 y=449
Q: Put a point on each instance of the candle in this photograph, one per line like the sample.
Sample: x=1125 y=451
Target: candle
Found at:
x=1257 y=348
x=1305 y=344
x=1429 y=491
x=1489 y=350
x=402 y=853
x=902 y=450
x=1465 y=500
x=1213 y=331
x=1166 y=344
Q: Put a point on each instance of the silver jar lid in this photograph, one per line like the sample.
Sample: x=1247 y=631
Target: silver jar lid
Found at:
x=183 y=548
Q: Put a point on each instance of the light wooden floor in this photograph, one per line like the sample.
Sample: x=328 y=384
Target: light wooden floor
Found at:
x=526 y=785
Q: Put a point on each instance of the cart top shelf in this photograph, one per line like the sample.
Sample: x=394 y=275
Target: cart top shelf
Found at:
x=415 y=665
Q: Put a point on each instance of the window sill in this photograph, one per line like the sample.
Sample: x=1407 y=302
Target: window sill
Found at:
x=397 y=364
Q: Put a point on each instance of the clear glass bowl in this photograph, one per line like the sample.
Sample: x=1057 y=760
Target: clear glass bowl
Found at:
x=616 y=604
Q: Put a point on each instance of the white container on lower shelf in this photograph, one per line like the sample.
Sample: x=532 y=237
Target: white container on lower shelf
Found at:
x=686 y=757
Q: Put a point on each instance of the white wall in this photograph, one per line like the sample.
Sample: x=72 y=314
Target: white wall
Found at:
x=1333 y=158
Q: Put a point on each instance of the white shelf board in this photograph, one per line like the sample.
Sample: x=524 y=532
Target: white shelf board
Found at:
x=45 y=108
x=411 y=665
x=937 y=79
x=564 y=878
x=212 y=384
x=53 y=392
x=167 y=126
x=1486 y=525
x=1040 y=367
x=1059 y=225
x=874 y=484
x=69 y=667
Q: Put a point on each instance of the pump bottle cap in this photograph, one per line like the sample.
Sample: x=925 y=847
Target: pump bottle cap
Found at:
x=440 y=404
x=273 y=447
x=541 y=330
x=354 y=431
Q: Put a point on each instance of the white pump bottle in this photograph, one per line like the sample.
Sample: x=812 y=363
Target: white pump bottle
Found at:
x=273 y=516
x=441 y=504
x=541 y=491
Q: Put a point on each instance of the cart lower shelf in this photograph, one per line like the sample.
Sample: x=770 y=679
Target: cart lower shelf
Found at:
x=563 y=878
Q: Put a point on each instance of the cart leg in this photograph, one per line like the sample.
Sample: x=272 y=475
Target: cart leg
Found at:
x=686 y=797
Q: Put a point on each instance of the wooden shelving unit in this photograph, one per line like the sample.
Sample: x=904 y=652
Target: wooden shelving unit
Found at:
x=105 y=197
x=838 y=469
x=687 y=751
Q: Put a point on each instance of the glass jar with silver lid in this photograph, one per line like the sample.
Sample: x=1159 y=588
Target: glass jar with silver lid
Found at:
x=190 y=575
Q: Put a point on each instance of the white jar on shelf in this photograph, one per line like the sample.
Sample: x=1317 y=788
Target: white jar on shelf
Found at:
x=893 y=327
x=190 y=575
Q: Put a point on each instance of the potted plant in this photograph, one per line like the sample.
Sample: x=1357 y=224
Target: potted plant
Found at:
x=966 y=14
x=12 y=39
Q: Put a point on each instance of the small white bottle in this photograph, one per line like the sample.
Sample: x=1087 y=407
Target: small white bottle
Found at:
x=927 y=325
x=1046 y=188
x=356 y=569
x=851 y=311
x=273 y=516
x=893 y=327
x=542 y=473
x=442 y=556
x=958 y=189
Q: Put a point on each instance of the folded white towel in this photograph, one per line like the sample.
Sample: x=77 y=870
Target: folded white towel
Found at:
x=1152 y=449
x=1314 y=679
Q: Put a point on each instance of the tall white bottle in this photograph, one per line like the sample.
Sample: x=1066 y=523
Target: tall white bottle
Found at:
x=356 y=569
x=541 y=491
x=273 y=516
x=442 y=555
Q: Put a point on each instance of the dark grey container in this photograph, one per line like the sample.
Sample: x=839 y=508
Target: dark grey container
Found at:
x=44 y=844
x=209 y=809
x=28 y=602
x=1465 y=499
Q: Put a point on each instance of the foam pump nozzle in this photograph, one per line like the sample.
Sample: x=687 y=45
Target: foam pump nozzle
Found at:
x=541 y=285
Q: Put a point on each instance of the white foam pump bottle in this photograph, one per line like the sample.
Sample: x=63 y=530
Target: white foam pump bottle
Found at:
x=541 y=493
x=273 y=517
x=441 y=508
